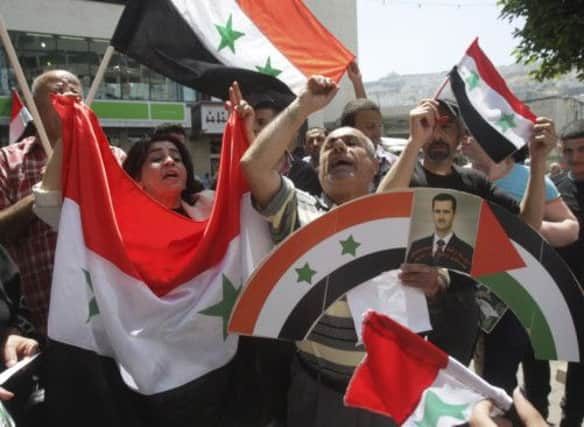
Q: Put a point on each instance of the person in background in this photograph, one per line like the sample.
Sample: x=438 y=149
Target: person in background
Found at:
x=313 y=139
x=17 y=332
x=571 y=187
x=29 y=241
x=508 y=343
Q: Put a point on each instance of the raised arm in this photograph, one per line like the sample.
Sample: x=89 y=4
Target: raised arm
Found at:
x=560 y=227
x=543 y=141
x=260 y=161
x=422 y=122
x=354 y=74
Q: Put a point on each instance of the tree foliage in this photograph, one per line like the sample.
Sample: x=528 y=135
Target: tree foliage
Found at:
x=552 y=37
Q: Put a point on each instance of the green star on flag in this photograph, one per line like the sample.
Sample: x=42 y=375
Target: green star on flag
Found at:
x=228 y=35
x=93 y=308
x=435 y=408
x=473 y=80
x=223 y=308
x=350 y=246
x=268 y=69
x=305 y=274
x=507 y=121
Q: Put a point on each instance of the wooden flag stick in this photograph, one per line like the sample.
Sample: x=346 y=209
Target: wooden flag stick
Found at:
x=441 y=87
x=11 y=53
x=107 y=56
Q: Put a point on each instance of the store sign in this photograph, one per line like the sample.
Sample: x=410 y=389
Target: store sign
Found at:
x=213 y=118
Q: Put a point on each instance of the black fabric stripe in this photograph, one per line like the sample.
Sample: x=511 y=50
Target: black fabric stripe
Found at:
x=554 y=264
x=333 y=370
x=336 y=342
x=347 y=334
x=336 y=322
x=495 y=144
x=156 y=35
x=86 y=389
x=309 y=309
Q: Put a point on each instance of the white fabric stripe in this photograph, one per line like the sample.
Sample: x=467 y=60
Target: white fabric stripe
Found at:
x=457 y=370
x=451 y=391
x=161 y=342
x=15 y=129
x=491 y=105
x=323 y=258
x=251 y=50
x=547 y=296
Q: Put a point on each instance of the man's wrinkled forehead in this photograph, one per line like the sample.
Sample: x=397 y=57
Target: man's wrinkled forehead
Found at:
x=346 y=131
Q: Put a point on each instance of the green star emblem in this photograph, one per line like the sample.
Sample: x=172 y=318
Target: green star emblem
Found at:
x=268 y=69
x=435 y=408
x=473 y=80
x=228 y=35
x=305 y=274
x=223 y=308
x=507 y=121
x=350 y=246
x=93 y=308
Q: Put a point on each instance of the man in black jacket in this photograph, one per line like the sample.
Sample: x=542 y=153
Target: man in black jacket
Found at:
x=436 y=129
x=571 y=187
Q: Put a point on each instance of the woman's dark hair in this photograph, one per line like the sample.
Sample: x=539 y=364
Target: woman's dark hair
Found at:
x=139 y=151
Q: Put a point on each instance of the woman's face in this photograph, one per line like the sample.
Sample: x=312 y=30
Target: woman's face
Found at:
x=163 y=174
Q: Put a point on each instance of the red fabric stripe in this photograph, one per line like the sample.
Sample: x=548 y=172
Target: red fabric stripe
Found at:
x=16 y=105
x=491 y=76
x=398 y=367
x=267 y=275
x=294 y=30
x=124 y=225
x=491 y=235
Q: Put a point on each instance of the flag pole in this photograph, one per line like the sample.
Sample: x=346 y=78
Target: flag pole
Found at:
x=107 y=56
x=441 y=87
x=11 y=53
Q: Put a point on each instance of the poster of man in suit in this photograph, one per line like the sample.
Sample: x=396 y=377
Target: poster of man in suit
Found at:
x=450 y=244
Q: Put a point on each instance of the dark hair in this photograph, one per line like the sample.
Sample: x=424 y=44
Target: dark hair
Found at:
x=521 y=155
x=263 y=101
x=445 y=197
x=355 y=106
x=169 y=128
x=573 y=130
x=450 y=108
x=139 y=151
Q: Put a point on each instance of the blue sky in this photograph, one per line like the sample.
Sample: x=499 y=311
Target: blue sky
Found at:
x=421 y=36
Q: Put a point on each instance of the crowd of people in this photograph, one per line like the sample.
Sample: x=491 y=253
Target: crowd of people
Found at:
x=292 y=185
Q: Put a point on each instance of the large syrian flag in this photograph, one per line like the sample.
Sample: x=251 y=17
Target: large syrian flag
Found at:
x=499 y=121
x=141 y=296
x=19 y=118
x=268 y=47
x=412 y=381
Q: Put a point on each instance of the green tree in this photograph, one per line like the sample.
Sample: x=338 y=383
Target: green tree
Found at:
x=552 y=37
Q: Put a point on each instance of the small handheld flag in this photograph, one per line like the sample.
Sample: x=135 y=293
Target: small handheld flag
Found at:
x=19 y=118
x=412 y=381
x=499 y=121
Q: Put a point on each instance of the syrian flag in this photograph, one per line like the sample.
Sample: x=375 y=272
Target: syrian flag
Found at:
x=494 y=116
x=412 y=381
x=19 y=118
x=268 y=48
x=141 y=295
